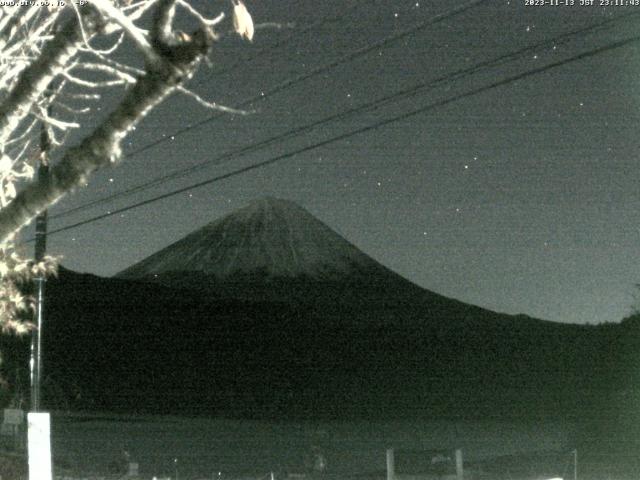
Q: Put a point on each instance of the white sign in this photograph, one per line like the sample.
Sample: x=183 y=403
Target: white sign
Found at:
x=39 y=441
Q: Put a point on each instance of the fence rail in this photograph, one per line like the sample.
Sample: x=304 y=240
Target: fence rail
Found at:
x=424 y=464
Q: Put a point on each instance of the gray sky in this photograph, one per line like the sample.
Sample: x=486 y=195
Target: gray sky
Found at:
x=522 y=198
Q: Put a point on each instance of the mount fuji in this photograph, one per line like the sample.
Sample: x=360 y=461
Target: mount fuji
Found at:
x=275 y=250
x=268 y=311
x=270 y=238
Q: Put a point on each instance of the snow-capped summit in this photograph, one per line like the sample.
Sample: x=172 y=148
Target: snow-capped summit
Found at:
x=269 y=238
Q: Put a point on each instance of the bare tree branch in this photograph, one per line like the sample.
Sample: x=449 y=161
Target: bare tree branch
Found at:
x=35 y=79
x=102 y=147
x=135 y=33
x=40 y=68
x=15 y=20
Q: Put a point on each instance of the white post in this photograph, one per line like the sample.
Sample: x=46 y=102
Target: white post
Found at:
x=459 y=465
x=391 y=468
x=39 y=445
x=133 y=469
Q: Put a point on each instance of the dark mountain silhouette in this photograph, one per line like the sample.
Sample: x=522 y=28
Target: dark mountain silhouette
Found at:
x=270 y=238
x=268 y=312
x=275 y=250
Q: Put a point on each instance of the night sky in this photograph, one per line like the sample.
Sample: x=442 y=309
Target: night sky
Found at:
x=522 y=198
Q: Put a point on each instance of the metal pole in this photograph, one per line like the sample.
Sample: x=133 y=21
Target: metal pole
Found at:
x=40 y=250
x=575 y=464
x=391 y=464
x=459 y=465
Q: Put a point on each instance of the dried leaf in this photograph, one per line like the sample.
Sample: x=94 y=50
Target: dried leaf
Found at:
x=242 y=21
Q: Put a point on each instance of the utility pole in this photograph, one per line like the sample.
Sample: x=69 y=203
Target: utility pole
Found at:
x=40 y=250
x=38 y=422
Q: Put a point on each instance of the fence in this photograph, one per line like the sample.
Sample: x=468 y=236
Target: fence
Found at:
x=528 y=465
x=449 y=465
x=424 y=464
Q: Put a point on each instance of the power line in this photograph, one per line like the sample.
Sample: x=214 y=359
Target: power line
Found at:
x=297 y=33
x=319 y=70
x=420 y=88
x=312 y=26
x=343 y=136
x=258 y=54
x=302 y=77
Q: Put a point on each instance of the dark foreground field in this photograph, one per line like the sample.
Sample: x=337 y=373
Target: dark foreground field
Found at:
x=190 y=448
x=201 y=447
